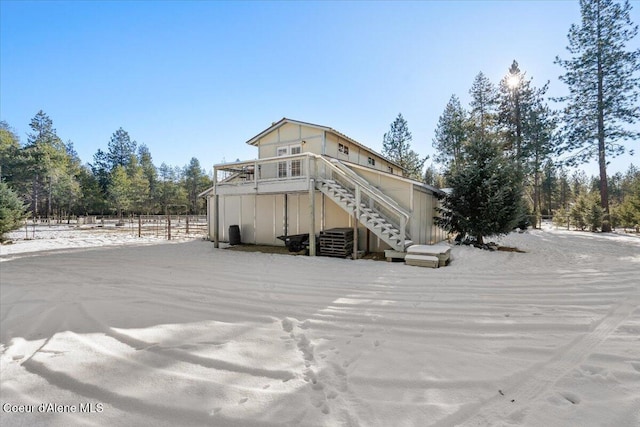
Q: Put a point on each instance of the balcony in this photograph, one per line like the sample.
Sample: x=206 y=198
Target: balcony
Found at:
x=265 y=176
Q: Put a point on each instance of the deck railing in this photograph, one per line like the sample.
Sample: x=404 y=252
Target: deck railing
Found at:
x=294 y=167
x=307 y=166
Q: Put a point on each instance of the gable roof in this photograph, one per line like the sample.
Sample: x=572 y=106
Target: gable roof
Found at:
x=275 y=125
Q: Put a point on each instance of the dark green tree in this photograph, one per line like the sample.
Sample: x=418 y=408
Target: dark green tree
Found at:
x=433 y=177
x=12 y=210
x=138 y=186
x=451 y=135
x=396 y=145
x=195 y=181
x=101 y=169
x=9 y=152
x=119 y=190
x=603 y=82
x=45 y=160
x=121 y=149
x=150 y=173
x=169 y=190
x=483 y=113
x=93 y=197
x=486 y=194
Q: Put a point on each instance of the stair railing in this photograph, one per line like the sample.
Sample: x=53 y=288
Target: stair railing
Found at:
x=364 y=193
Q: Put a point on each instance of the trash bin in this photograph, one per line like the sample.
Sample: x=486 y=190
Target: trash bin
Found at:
x=234 y=235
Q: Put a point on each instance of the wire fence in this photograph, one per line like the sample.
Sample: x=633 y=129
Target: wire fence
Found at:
x=161 y=226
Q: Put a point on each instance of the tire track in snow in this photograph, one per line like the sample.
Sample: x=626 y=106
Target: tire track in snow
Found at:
x=519 y=396
x=163 y=414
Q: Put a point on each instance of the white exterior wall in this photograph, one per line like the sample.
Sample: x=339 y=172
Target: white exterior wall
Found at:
x=318 y=141
x=263 y=227
x=290 y=134
x=261 y=217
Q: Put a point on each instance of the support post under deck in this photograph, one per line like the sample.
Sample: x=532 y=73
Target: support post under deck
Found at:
x=312 y=217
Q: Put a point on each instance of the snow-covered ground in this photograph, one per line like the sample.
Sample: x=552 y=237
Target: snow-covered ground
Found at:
x=185 y=334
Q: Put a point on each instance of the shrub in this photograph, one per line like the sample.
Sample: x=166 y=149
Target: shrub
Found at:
x=12 y=210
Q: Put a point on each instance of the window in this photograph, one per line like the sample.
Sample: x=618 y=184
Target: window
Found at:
x=289 y=168
x=282 y=166
x=344 y=149
x=371 y=161
x=296 y=165
x=390 y=169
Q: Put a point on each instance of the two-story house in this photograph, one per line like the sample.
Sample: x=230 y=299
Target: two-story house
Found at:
x=310 y=178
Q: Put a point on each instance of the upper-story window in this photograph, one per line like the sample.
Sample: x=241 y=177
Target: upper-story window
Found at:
x=371 y=161
x=390 y=169
x=344 y=149
x=289 y=168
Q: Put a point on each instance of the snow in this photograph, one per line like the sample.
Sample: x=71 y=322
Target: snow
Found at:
x=152 y=332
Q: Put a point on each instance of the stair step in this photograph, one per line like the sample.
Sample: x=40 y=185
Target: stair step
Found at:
x=371 y=218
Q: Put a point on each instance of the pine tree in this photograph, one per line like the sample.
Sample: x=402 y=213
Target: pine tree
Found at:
x=12 y=210
x=451 y=135
x=603 y=87
x=396 y=145
x=121 y=148
x=514 y=103
x=138 y=186
x=119 y=190
x=486 y=194
x=195 y=181
x=101 y=169
x=45 y=158
x=483 y=112
x=9 y=152
x=433 y=178
x=149 y=171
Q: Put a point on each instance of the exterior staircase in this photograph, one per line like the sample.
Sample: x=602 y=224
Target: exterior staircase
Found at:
x=391 y=232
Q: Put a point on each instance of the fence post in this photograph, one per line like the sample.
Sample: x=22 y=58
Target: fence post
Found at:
x=168 y=225
x=139 y=225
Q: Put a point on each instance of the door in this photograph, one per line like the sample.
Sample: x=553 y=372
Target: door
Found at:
x=290 y=168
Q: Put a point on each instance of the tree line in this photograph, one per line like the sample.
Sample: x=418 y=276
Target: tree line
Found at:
x=506 y=158
x=48 y=177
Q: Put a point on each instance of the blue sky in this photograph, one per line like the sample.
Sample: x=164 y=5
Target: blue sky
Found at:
x=198 y=79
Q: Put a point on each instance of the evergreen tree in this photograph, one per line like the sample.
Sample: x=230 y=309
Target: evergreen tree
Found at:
x=93 y=197
x=603 y=87
x=169 y=191
x=483 y=107
x=514 y=102
x=549 y=188
x=119 y=190
x=579 y=212
x=101 y=169
x=527 y=127
x=451 y=135
x=45 y=159
x=629 y=208
x=138 y=186
x=195 y=181
x=564 y=188
x=396 y=145
x=433 y=178
x=486 y=194
x=150 y=173
x=121 y=148
x=12 y=210
x=9 y=152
